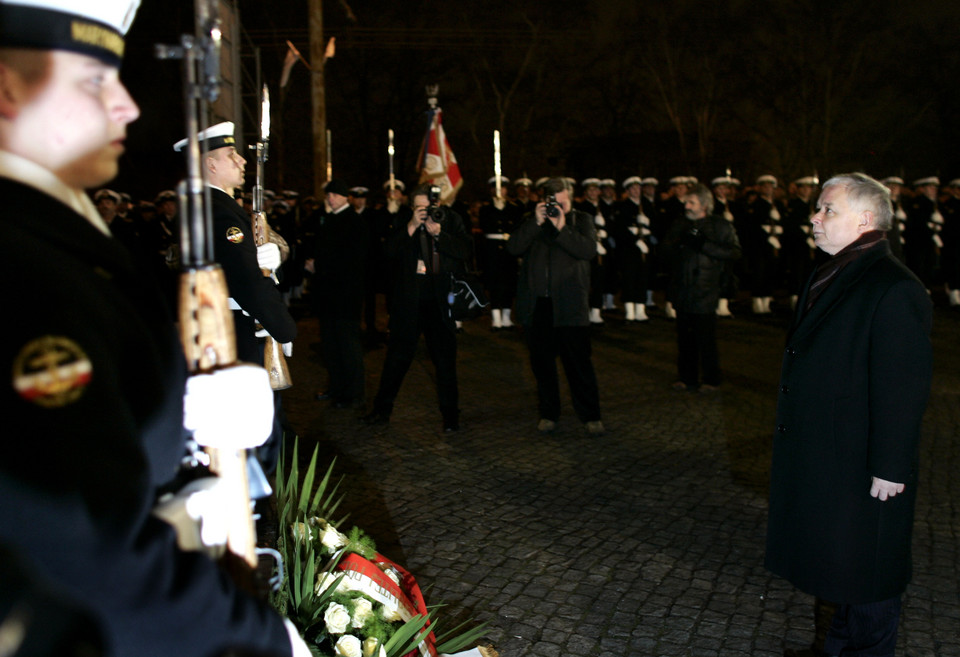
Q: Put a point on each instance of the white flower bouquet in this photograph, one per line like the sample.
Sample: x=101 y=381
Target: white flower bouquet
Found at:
x=346 y=599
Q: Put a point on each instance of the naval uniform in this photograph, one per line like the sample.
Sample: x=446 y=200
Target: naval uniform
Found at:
x=94 y=412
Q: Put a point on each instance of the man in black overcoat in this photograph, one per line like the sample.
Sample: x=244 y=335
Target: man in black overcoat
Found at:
x=853 y=387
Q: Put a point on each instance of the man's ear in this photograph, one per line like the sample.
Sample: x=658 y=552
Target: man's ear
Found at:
x=866 y=221
x=10 y=83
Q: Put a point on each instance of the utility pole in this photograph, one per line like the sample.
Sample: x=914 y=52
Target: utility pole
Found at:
x=319 y=97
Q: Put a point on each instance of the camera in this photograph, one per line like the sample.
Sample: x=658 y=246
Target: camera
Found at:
x=434 y=211
x=551 y=207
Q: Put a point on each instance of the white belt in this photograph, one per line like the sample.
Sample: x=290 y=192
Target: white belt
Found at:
x=236 y=306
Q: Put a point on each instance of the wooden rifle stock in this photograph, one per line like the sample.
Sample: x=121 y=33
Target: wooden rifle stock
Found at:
x=273 y=359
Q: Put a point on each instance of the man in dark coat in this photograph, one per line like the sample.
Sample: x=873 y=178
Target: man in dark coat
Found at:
x=424 y=253
x=853 y=387
x=338 y=286
x=94 y=396
x=697 y=247
x=557 y=244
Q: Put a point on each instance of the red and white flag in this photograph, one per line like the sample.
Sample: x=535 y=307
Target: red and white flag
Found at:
x=438 y=165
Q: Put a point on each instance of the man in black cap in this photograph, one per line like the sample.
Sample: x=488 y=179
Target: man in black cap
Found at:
x=96 y=373
x=338 y=262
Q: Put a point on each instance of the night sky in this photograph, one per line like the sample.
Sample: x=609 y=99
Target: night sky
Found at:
x=607 y=89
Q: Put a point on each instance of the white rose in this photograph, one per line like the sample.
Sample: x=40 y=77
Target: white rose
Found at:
x=391 y=573
x=332 y=539
x=368 y=647
x=324 y=581
x=337 y=619
x=390 y=614
x=362 y=612
x=348 y=646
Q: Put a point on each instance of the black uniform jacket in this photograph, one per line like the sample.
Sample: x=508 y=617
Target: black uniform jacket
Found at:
x=853 y=387
x=92 y=408
x=235 y=250
x=403 y=250
x=555 y=264
x=340 y=263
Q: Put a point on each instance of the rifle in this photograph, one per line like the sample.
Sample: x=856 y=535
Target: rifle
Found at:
x=393 y=179
x=496 y=161
x=206 y=321
x=273 y=359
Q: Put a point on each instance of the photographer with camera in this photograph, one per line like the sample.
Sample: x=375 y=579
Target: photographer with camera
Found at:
x=557 y=244
x=697 y=246
x=423 y=254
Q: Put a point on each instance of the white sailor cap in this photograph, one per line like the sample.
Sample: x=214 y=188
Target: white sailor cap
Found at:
x=397 y=183
x=587 y=182
x=269 y=194
x=691 y=180
x=892 y=180
x=954 y=183
x=525 y=182
x=650 y=181
x=503 y=180
x=608 y=182
x=290 y=194
x=106 y=193
x=721 y=180
x=632 y=180
x=930 y=180
x=735 y=182
x=812 y=181
x=542 y=181
x=359 y=191
x=90 y=28
x=166 y=195
x=767 y=178
x=214 y=137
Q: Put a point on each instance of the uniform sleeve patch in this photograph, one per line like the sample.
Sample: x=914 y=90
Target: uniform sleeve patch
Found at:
x=51 y=371
x=234 y=235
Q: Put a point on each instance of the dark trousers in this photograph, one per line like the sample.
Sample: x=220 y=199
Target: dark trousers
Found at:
x=572 y=344
x=697 y=349
x=343 y=358
x=441 y=345
x=867 y=630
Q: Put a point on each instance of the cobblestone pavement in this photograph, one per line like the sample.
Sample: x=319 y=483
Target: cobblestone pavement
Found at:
x=646 y=541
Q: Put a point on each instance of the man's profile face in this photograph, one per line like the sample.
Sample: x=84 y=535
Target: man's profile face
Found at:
x=592 y=193
x=693 y=208
x=836 y=224
x=230 y=167
x=336 y=201
x=74 y=121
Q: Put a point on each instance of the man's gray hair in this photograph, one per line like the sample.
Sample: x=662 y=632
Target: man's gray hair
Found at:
x=704 y=195
x=866 y=193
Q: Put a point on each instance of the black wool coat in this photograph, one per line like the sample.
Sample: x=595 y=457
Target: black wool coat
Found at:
x=853 y=387
x=93 y=412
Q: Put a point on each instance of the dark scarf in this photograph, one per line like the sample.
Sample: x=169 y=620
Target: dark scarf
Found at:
x=827 y=272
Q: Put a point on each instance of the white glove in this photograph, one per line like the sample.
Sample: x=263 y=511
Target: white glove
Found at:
x=230 y=408
x=634 y=229
x=268 y=256
x=196 y=514
x=643 y=220
x=775 y=214
x=499 y=203
x=643 y=246
x=774 y=242
x=767 y=227
x=600 y=249
x=297 y=645
x=393 y=206
x=599 y=220
x=778 y=230
x=287 y=349
x=937 y=241
x=601 y=234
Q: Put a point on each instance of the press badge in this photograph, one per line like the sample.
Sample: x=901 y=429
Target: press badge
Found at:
x=421 y=266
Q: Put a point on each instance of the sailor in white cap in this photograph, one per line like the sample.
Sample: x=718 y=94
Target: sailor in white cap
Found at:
x=724 y=194
x=761 y=243
x=632 y=233
x=921 y=235
x=799 y=247
x=498 y=218
x=77 y=504
x=895 y=234
x=590 y=204
x=950 y=253
x=522 y=196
